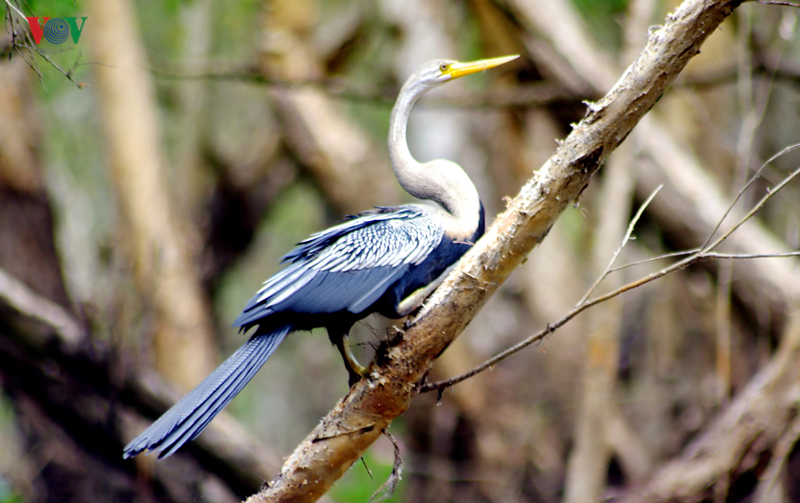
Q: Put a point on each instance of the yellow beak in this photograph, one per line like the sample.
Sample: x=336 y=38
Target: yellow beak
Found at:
x=456 y=70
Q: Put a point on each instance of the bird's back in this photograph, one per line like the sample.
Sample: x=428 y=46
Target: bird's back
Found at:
x=366 y=264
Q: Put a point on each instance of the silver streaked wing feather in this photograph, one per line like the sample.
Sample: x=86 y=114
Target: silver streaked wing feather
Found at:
x=394 y=239
x=385 y=243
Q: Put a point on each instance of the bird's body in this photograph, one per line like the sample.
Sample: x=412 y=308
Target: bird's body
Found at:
x=367 y=264
x=382 y=261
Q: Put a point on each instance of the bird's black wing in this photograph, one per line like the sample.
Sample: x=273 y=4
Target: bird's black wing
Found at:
x=348 y=267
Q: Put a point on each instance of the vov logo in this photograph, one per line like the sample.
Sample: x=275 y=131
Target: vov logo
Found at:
x=57 y=29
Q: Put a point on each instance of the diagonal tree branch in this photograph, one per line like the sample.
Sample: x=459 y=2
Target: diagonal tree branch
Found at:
x=358 y=420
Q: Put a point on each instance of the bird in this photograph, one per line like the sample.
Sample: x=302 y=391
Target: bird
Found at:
x=386 y=260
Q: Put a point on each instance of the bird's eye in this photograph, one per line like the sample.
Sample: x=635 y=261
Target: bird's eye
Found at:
x=443 y=67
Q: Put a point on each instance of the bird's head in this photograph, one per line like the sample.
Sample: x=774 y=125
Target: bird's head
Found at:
x=434 y=73
x=438 y=180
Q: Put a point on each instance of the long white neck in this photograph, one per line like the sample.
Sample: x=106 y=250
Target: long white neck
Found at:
x=441 y=181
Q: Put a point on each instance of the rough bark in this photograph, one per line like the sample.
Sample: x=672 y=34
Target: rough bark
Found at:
x=357 y=421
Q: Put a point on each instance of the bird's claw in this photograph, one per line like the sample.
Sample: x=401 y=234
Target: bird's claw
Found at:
x=357 y=373
x=355 y=370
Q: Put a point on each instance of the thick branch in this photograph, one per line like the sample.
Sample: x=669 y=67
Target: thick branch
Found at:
x=356 y=422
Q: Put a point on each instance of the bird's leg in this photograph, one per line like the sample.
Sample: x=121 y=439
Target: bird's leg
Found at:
x=355 y=369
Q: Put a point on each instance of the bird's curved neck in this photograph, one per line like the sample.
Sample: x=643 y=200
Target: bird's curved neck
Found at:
x=399 y=154
x=441 y=181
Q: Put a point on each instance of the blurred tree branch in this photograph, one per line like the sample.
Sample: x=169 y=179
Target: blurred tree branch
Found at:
x=530 y=95
x=73 y=397
x=18 y=296
x=756 y=420
x=336 y=152
x=764 y=65
x=373 y=403
x=92 y=374
x=524 y=96
x=157 y=244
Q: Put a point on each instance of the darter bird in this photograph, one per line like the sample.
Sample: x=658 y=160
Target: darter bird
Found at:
x=385 y=261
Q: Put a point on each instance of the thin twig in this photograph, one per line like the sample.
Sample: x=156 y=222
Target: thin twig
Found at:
x=760 y=204
x=29 y=45
x=15 y=9
x=552 y=327
x=387 y=489
x=746 y=186
x=31 y=64
x=777 y=2
x=738 y=256
x=67 y=74
x=622 y=244
x=681 y=253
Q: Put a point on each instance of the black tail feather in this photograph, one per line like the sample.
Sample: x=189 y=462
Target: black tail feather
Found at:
x=189 y=417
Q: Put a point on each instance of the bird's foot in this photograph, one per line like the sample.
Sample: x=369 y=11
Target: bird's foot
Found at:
x=354 y=369
x=356 y=372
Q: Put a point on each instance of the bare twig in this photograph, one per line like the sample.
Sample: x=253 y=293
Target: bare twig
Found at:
x=66 y=73
x=625 y=240
x=760 y=204
x=777 y=2
x=15 y=9
x=28 y=44
x=739 y=256
x=746 y=186
x=387 y=489
x=681 y=253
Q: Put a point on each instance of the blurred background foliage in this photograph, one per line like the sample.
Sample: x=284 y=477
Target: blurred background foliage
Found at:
x=271 y=119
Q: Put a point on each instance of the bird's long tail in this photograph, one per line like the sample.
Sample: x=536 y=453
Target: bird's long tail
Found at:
x=187 y=418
